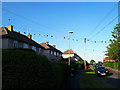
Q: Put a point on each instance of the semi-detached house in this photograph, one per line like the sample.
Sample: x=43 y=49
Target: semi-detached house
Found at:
x=51 y=52
x=12 y=39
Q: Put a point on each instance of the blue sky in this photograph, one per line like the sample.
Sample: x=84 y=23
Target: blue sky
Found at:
x=57 y=18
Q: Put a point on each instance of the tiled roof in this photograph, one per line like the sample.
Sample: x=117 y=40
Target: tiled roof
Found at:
x=67 y=52
x=49 y=47
x=45 y=45
x=17 y=36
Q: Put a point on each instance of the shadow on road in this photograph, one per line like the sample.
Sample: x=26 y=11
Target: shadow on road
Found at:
x=110 y=74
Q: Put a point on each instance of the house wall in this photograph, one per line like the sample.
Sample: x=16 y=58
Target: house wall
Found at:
x=47 y=54
x=4 y=43
x=20 y=44
x=67 y=55
x=51 y=57
x=10 y=43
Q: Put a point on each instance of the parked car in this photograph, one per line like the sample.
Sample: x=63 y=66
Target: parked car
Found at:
x=95 y=66
x=101 y=70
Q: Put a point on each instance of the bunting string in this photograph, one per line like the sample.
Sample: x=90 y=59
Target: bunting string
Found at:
x=73 y=39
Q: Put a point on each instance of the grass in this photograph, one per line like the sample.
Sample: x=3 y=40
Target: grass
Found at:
x=88 y=79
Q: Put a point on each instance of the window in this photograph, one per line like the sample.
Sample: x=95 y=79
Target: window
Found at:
x=25 y=45
x=51 y=52
x=15 y=44
x=40 y=50
x=34 y=48
x=57 y=53
x=54 y=53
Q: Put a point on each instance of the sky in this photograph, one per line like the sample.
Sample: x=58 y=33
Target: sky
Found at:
x=91 y=20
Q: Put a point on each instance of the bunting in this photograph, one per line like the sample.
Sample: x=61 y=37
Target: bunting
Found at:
x=73 y=39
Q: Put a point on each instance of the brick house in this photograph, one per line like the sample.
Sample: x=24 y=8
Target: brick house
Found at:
x=73 y=55
x=12 y=39
x=51 y=52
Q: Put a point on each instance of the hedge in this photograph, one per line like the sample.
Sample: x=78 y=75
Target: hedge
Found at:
x=25 y=69
x=115 y=65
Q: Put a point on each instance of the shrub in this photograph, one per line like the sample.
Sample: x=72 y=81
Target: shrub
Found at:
x=24 y=69
x=77 y=65
x=115 y=65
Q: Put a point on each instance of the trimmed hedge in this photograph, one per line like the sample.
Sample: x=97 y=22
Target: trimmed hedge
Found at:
x=115 y=65
x=77 y=65
x=25 y=69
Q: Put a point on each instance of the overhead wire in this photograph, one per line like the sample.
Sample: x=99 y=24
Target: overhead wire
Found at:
x=104 y=27
x=108 y=14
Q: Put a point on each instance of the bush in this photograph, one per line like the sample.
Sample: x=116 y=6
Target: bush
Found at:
x=115 y=65
x=77 y=65
x=25 y=69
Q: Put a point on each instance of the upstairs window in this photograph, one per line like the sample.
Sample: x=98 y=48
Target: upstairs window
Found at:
x=34 y=48
x=51 y=52
x=55 y=53
x=25 y=45
x=15 y=43
x=40 y=50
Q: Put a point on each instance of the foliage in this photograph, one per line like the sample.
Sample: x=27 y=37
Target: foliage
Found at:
x=92 y=61
x=115 y=65
x=113 y=50
x=77 y=65
x=99 y=62
x=25 y=69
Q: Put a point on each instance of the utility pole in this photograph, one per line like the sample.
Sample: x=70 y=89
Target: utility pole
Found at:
x=85 y=53
x=69 y=47
x=118 y=27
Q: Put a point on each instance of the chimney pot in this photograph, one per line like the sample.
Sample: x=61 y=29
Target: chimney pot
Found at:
x=29 y=36
x=10 y=28
x=54 y=46
x=47 y=42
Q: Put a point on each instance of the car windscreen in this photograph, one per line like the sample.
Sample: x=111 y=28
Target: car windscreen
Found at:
x=101 y=68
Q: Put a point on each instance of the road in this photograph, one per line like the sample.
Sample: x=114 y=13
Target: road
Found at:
x=113 y=79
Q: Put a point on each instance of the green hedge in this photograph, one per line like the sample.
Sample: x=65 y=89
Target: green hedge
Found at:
x=115 y=65
x=25 y=69
x=77 y=65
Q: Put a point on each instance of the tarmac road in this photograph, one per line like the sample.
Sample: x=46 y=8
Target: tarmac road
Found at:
x=113 y=79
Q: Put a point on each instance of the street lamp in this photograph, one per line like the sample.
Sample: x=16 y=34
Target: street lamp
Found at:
x=69 y=47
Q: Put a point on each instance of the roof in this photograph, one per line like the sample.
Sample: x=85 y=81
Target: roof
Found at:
x=67 y=52
x=49 y=47
x=17 y=36
x=71 y=52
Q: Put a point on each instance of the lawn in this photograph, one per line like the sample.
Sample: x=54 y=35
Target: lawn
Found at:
x=88 y=79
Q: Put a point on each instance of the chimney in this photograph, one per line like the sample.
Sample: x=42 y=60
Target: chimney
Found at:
x=10 y=28
x=47 y=42
x=29 y=36
x=54 y=46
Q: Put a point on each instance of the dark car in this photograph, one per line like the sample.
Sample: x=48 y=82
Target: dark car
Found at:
x=101 y=70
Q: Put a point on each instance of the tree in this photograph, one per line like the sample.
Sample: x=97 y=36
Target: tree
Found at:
x=92 y=61
x=113 y=49
x=99 y=62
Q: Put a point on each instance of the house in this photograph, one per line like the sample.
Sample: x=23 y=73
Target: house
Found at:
x=73 y=55
x=107 y=60
x=12 y=39
x=51 y=52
